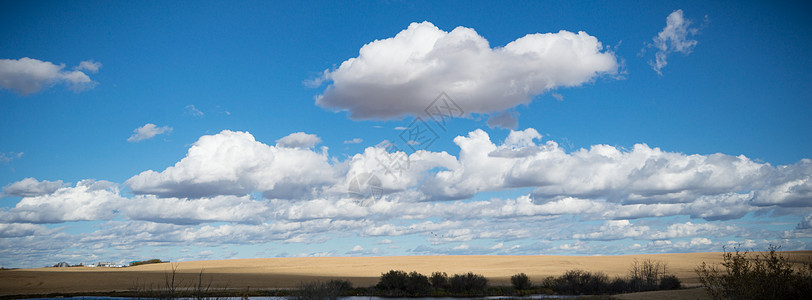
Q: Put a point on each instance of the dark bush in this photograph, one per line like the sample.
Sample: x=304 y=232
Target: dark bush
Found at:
x=393 y=282
x=469 y=284
x=439 y=280
x=646 y=275
x=579 y=282
x=418 y=284
x=317 y=290
x=670 y=282
x=749 y=275
x=521 y=282
x=399 y=284
x=619 y=285
x=548 y=282
x=339 y=284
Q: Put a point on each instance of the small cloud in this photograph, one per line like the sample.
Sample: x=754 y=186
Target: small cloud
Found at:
x=7 y=157
x=317 y=81
x=192 y=110
x=385 y=242
x=26 y=76
x=401 y=128
x=356 y=250
x=700 y=242
x=673 y=38
x=148 y=131
x=413 y=143
x=507 y=120
x=354 y=141
x=462 y=247
x=89 y=65
x=558 y=96
x=299 y=140
x=806 y=223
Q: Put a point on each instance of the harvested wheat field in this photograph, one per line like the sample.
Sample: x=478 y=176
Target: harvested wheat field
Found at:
x=283 y=273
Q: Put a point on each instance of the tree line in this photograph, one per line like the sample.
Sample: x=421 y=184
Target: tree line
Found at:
x=646 y=275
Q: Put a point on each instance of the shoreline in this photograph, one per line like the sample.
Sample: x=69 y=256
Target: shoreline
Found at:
x=687 y=293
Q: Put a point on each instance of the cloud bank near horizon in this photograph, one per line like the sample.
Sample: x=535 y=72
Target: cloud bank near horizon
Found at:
x=210 y=197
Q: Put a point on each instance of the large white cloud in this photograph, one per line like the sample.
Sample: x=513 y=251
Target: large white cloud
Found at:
x=645 y=181
x=92 y=200
x=29 y=75
x=401 y=75
x=234 y=163
x=788 y=185
x=640 y=175
x=30 y=187
x=89 y=200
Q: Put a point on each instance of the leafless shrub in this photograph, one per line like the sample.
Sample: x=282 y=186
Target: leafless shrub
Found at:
x=747 y=275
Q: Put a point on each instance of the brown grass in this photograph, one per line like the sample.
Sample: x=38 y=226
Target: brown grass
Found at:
x=283 y=273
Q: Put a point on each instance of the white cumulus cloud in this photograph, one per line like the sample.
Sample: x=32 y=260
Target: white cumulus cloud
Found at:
x=234 y=163
x=639 y=175
x=28 y=75
x=401 y=75
x=89 y=200
x=148 y=131
x=30 y=187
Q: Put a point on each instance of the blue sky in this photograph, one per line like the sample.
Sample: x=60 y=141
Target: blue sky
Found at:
x=203 y=130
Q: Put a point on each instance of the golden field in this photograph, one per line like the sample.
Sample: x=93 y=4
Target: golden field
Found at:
x=282 y=273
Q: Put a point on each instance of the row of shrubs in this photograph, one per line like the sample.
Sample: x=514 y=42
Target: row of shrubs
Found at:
x=402 y=284
x=578 y=282
x=644 y=276
x=741 y=275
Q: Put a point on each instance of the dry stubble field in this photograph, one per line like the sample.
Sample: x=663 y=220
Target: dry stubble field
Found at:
x=281 y=273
